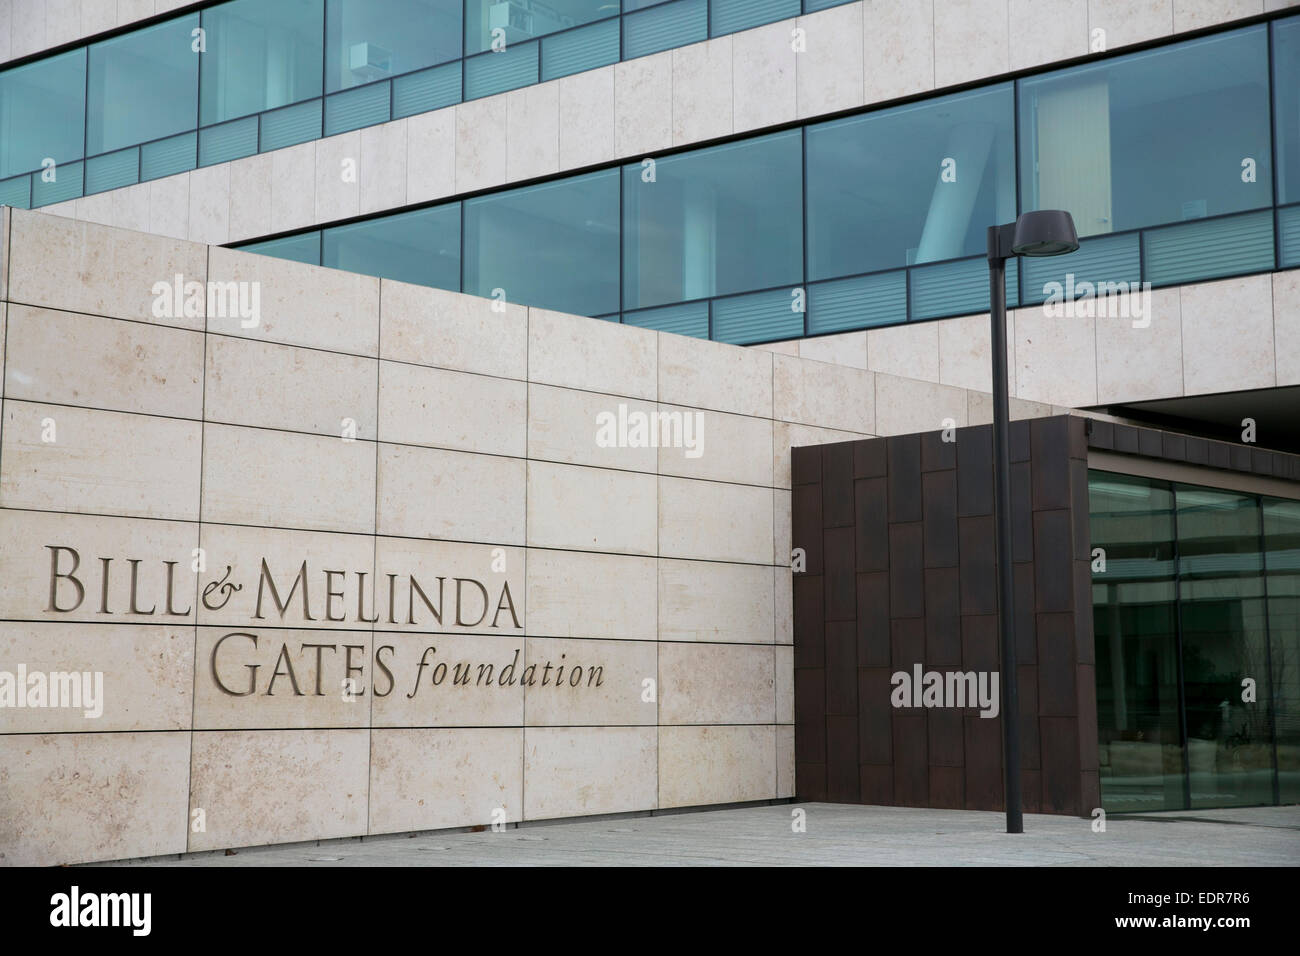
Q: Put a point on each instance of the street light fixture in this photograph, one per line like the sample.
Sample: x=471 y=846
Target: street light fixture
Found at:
x=1045 y=232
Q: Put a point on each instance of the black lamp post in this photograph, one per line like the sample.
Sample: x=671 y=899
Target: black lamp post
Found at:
x=1047 y=232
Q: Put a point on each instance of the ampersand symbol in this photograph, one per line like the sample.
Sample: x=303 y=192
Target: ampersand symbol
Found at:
x=227 y=590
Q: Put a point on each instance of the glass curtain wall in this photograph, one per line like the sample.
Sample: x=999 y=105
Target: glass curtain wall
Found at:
x=917 y=183
x=869 y=220
x=881 y=218
x=142 y=86
x=1135 y=622
x=42 y=113
x=420 y=247
x=368 y=40
x=1195 y=623
x=1225 y=643
x=509 y=22
x=1282 y=585
x=554 y=245
x=260 y=56
x=713 y=222
x=1124 y=144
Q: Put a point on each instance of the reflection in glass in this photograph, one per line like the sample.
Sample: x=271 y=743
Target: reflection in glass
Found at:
x=368 y=40
x=142 y=85
x=421 y=247
x=1282 y=565
x=1225 y=641
x=1155 y=137
x=517 y=21
x=1135 y=616
x=913 y=184
x=41 y=113
x=713 y=222
x=260 y=55
x=554 y=245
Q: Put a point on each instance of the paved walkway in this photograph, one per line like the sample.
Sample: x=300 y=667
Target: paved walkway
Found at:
x=836 y=835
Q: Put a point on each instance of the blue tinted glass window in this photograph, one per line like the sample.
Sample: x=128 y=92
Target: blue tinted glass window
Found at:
x=1288 y=236
x=1175 y=133
x=1286 y=93
x=168 y=156
x=368 y=40
x=720 y=220
x=516 y=21
x=353 y=109
x=290 y=125
x=303 y=248
x=955 y=288
x=16 y=192
x=112 y=170
x=510 y=69
x=1206 y=250
x=879 y=299
x=689 y=319
x=261 y=55
x=1282 y=564
x=554 y=245
x=42 y=110
x=914 y=184
x=427 y=90
x=422 y=247
x=761 y=317
x=1106 y=259
x=576 y=50
x=730 y=16
x=143 y=85
x=664 y=26
x=220 y=144
x=66 y=184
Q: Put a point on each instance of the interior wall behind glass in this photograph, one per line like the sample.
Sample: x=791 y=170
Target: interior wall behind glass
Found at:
x=554 y=245
x=713 y=222
x=260 y=54
x=142 y=86
x=1282 y=563
x=917 y=183
x=42 y=113
x=368 y=40
x=1161 y=136
x=1135 y=621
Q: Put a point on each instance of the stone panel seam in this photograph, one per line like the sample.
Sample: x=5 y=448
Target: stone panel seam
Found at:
x=374 y=558
x=194 y=675
x=395 y=444
x=528 y=474
x=395 y=537
x=1182 y=333
x=659 y=580
x=1272 y=303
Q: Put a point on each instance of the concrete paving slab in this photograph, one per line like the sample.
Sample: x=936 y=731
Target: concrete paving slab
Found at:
x=835 y=835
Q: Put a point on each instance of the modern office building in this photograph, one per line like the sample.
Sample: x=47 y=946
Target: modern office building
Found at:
x=777 y=210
